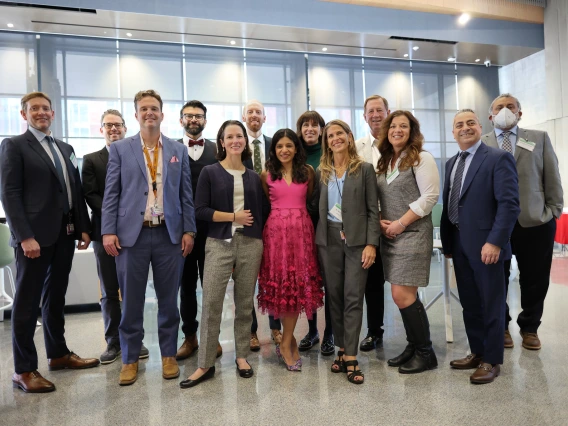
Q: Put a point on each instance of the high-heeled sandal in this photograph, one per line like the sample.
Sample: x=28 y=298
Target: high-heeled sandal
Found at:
x=353 y=374
x=339 y=363
x=297 y=366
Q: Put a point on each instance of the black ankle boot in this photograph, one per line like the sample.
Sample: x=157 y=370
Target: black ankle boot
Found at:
x=424 y=357
x=408 y=352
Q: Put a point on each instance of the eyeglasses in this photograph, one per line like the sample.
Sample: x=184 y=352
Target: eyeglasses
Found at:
x=109 y=126
x=192 y=116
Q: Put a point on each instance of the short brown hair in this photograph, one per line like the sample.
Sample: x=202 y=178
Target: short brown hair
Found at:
x=112 y=112
x=33 y=95
x=145 y=93
x=309 y=117
x=221 y=153
x=372 y=98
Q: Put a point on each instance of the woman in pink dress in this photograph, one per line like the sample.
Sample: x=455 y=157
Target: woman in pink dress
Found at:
x=290 y=282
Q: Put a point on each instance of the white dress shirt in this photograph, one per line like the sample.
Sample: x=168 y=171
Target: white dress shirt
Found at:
x=152 y=200
x=375 y=150
x=195 y=151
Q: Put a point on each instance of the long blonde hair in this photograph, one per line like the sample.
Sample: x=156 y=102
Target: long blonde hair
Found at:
x=326 y=161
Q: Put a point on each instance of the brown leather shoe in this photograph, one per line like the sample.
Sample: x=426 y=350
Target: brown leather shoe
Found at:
x=276 y=336
x=72 y=361
x=32 y=382
x=531 y=341
x=188 y=347
x=170 y=369
x=128 y=374
x=219 y=350
x=508 y=340
x=470 y=361
x=485 y=373
x=254 y=342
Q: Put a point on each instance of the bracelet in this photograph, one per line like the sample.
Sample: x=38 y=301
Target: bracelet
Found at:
x=400 y=223
x=234 y=217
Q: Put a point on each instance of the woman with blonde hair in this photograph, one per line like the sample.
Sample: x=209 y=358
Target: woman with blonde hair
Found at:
x=347 y=236
x=409 y=185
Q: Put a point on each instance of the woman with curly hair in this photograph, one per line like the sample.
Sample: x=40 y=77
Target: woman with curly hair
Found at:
x=408 y=185
x=289 y=282
x=347 y=236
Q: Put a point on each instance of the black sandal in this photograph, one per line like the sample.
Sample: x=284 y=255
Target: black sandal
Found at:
x=339 y=363
x=352 y=374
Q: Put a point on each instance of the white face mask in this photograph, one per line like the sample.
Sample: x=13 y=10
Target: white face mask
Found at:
x=505 y=119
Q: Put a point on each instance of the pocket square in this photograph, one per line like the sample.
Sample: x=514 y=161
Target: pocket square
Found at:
x=174 y=160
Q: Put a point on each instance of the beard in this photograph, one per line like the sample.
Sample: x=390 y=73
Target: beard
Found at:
x=194 y=130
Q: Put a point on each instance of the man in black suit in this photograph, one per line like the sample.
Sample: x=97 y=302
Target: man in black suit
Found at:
x=254 y=118
x=94 y=171
x=43 y=200
x=202 y=152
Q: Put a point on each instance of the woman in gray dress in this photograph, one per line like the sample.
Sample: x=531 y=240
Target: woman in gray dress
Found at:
x=408 y=188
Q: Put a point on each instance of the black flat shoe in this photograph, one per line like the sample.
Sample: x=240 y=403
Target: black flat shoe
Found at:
x=245 y=373
x=370 y=342
x=327 y=346
x=191 y=383
x=308 y=342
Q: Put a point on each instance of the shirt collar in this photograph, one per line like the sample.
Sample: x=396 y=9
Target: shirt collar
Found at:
x=186 y=139
x=473 y=149
x=159 y=141
x=514 y=131
x=251 y=137
x=39 y=135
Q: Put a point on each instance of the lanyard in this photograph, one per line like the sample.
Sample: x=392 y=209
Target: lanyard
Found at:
x=153 y=167
x=341 y=196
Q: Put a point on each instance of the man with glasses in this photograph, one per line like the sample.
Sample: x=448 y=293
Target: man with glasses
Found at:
x=94 y=172
x=41 y=193
x=202 y=152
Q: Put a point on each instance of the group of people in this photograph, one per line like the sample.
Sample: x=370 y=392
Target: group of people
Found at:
x=314 y=216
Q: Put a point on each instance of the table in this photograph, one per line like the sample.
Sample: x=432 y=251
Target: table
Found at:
x=447 y=294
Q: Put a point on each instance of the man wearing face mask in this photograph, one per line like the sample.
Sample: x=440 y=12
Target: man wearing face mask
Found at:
x=541 y=199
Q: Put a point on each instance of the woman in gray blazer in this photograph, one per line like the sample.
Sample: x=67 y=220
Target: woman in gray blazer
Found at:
x=347 y=236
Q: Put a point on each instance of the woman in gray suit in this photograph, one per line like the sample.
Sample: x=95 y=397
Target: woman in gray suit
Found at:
x=347 y=236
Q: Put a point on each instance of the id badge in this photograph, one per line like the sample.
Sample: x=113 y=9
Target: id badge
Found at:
x=394 y=174
x=528 y=145
x=336 y=212
x=156 y=211
x=70 y=229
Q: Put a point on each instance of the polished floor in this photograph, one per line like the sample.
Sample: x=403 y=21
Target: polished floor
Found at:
x=532 y=390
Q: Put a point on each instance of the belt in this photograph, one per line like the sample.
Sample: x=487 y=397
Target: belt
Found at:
x=149 y=224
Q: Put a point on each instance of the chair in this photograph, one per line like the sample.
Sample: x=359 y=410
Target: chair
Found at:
x=436 y=219
x=6 y=257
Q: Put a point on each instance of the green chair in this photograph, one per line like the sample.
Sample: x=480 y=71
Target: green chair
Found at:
x=6 y=257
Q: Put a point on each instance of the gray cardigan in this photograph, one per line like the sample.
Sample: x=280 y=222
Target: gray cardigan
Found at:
x=359 y=208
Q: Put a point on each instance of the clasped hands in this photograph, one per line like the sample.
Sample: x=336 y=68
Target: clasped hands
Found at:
x=391 y=228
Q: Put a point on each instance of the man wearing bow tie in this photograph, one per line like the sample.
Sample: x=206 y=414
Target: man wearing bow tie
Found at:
x=202 y=152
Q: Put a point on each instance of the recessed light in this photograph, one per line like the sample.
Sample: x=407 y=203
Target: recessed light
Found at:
x=233 y=42
x=38 y=36
x=451 y=59
x=324 y=49
x=10 y=25
x=464 y=17
x=128 y=34
x=477 y=60
x=415 y=48
x=405 y=55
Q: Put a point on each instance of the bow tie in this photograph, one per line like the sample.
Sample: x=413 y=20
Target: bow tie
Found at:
x=192 y=143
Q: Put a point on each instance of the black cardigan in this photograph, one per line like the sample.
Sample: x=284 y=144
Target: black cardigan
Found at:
x=215 y=190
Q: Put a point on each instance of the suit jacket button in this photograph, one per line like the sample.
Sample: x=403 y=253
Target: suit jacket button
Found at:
x=145 y=193
x=142 y=213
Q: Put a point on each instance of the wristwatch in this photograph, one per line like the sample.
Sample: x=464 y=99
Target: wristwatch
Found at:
x=190 y=233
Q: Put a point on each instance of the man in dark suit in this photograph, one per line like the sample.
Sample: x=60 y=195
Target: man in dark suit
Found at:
x=202 y=152
x=254 y=118
x=541 y=195
x=94 y=172
x=481 y=205
x=43 y=200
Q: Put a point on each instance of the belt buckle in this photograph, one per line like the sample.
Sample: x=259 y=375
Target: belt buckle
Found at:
x=152 y=225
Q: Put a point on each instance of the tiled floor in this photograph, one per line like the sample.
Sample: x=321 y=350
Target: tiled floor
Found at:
x=532 y=390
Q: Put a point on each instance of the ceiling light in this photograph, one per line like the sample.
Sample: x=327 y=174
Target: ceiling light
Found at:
x=10 y=25
x=451 y=59
x=405 y=55
x=415 y=48
x=464 y=17
x=128 y=34
x=233 y=42
x=324 y=49
x=477 y=60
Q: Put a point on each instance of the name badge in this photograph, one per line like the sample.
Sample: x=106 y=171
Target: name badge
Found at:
x=528 y=145
x=336 y=212
x=156 y=211
x=73 y=159
x=394 y=174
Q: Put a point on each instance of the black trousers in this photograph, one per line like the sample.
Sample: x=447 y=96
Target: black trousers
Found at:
x=375 y=298
x=533 y=249
x=192 y=270
x=313 y=323
x=42 y=279
x=274 y=323
x=110 y=302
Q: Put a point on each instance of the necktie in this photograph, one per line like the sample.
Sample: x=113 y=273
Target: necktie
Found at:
x=192 y=143
x=506 y=146
x=256 y=156
x=59 y=170
x=456 y=189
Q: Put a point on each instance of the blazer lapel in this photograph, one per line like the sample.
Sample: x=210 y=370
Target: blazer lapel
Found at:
x=521 y=133
x=449 y=168
x=135 y=144
x=70 y=166
x=166 y=157
x=36 y=146
x=473 y=167
x=490 y=139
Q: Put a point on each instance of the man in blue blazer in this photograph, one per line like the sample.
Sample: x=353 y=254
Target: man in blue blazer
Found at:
x=481 y=206
x=148 y=217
